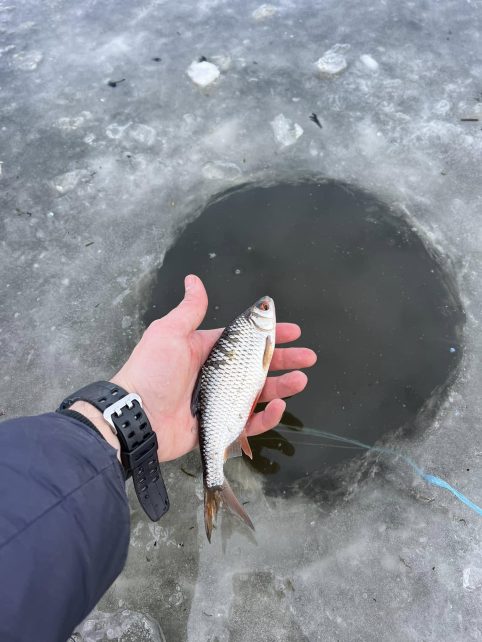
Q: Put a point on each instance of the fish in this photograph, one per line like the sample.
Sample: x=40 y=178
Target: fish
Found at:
x=226 y=393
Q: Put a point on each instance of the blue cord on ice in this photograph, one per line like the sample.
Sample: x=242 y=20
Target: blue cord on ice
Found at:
x=430 y=479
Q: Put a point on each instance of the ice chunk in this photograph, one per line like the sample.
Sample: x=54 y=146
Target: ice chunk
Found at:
x=285 y=131
x=264 y=11
x=69 y=181
x=27 y=60
x=218 y=170
x=122 y=625
x=472 y=578
x=222 y=61
x=333 y=61
x=369 y=62
x=203 y=73
x=115 y=131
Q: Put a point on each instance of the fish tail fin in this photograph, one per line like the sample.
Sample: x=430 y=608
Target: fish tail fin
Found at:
x=212 y=501
x=230 y=500
x=213 y=498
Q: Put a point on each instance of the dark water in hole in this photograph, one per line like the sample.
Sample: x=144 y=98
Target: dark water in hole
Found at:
x=372 y=301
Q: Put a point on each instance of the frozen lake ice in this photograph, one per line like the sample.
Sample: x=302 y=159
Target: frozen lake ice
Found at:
x=98 y=177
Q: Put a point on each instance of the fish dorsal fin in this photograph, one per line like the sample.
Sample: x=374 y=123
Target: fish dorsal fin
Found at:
x=233 y=450
x=268 y=352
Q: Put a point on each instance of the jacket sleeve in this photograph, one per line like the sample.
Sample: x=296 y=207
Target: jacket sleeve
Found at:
x=64 y=525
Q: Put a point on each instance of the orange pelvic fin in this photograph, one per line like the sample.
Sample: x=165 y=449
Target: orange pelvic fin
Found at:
x=246 y=448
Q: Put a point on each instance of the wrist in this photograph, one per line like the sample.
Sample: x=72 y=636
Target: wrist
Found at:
x=96 y=417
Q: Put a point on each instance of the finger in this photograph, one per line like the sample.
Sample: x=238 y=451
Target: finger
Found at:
x=286 y=332
x=289 y=358
x=285 y=385
x=188 y=315
x=267 y=419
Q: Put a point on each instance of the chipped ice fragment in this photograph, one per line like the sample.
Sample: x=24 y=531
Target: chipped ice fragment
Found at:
x=70 y=123
x=313 y=149
x=119 y=625
x=116 y=131
x=472 y=578
x=285 y=131
x=369 y=62
x=264 y=11
x=216 y=170
x=333 y=61
x=27 y=60
x=222 y=61
x=203 y=73
x=69 y=181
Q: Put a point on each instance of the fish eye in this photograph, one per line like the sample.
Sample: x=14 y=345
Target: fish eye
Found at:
x=264 y=305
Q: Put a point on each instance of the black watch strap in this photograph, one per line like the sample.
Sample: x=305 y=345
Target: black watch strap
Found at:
x=138 y=441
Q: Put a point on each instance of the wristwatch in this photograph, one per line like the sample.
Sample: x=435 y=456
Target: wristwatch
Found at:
x=127 y=419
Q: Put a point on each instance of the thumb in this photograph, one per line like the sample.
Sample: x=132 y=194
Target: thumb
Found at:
x=188 y=315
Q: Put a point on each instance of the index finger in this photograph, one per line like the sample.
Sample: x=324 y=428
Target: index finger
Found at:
x=286 y=332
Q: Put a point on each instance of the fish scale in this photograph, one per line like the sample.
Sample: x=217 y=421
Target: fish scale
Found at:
x=227 y=388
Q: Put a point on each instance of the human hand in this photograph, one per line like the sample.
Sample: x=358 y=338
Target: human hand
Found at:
x=164 y=366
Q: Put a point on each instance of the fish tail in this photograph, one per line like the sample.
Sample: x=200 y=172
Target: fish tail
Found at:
x=214 y=498
x=212 y=501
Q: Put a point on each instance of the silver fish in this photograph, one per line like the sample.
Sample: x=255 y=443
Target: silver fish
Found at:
x=227 y=390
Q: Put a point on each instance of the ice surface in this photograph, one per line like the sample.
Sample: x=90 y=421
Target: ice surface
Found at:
x=397 y=561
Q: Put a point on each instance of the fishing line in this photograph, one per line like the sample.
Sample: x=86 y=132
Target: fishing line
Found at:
x=307 y=443
x=433 y=480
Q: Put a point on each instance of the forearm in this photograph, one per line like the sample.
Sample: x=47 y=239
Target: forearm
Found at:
x=64 y=525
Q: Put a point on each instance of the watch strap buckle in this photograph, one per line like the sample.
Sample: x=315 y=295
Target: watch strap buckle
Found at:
x=117 y=406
